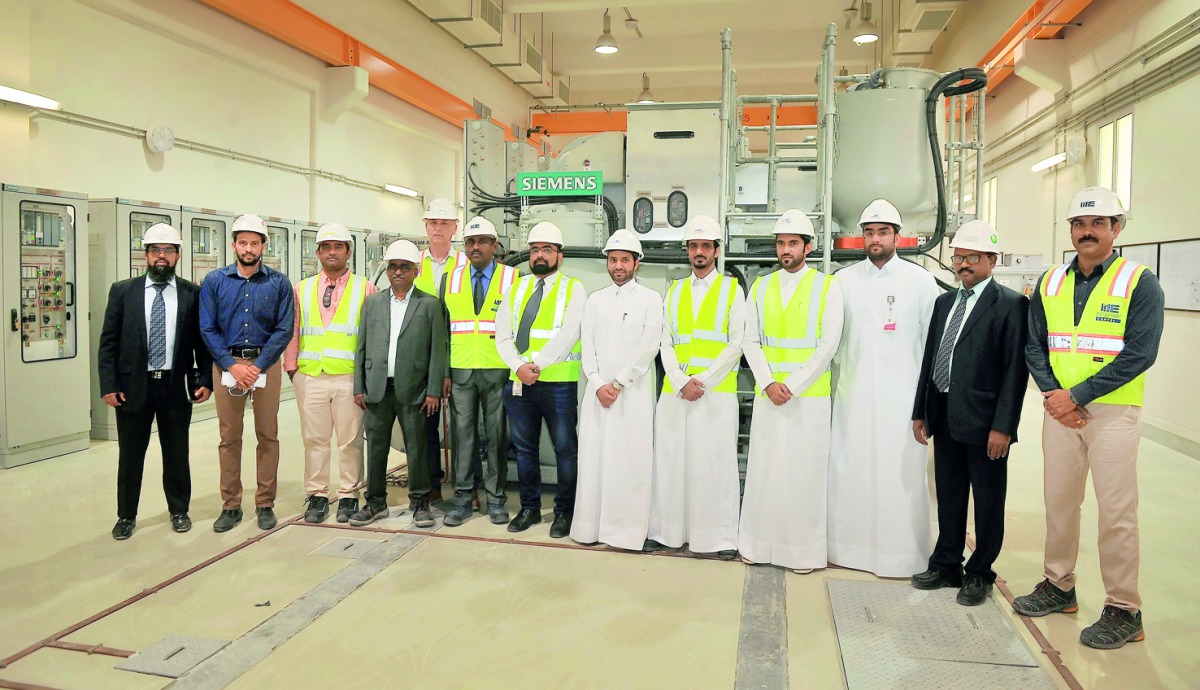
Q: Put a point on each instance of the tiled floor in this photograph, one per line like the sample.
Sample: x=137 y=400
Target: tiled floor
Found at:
x=470 y=605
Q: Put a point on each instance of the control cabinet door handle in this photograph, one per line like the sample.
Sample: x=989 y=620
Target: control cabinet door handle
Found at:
x=15 y=327
x=71 y=299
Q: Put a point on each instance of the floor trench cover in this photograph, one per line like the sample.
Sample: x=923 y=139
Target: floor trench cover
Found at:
x=894 y=636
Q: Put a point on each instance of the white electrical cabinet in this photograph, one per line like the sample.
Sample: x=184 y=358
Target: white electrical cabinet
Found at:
x=45 y=351
x=205 y=242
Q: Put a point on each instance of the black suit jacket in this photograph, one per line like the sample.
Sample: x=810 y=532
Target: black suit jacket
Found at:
x=123 y=353
x=987 y=375
x=421 y=350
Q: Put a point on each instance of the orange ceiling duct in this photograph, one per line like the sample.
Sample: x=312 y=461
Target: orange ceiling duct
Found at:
x=1032 y=25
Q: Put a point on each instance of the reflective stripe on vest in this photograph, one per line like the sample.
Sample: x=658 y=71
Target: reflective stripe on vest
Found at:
x=1078 y=352
x=697 y=348
x=546 y=325
x=424 y=280
x=778 y=330
x=473 y=337
x=329 y=349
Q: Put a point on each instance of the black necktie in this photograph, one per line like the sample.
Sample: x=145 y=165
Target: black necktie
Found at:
x=527 y=317
x=941 y=364
x=477 y=291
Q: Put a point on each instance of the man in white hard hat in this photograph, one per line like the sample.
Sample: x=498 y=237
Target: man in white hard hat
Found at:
x=246 y=318
x=153 y=366
x=399 y=365
x=620 y=333
x=537 y=334
x=320 y=363
x=472 y=293
x=793 y=327
x=969 y=396
x=878 y=496
x=697 y=493
x=1094 y=329
x=437 y=260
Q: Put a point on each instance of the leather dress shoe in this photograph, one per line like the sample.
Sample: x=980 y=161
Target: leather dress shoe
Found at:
x=180 y=522
x=934 y=579
x=974 y=591
x=266 y=517
x=524 y=520
x=123 y=529
x=227 y=519
x=561 y=526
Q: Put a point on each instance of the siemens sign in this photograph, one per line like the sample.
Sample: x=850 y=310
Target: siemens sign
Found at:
x=587 y=183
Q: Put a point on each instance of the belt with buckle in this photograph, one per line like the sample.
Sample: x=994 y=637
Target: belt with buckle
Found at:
x=245 y=352
x=159 y=374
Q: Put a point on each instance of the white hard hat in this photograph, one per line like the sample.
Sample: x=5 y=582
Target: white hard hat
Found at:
x=249 y=223
x=161 y=233
x=702 y=228
x=440 y=209
x=624 y=240
x=881 y=211
x=334 y=232
x=545 y=232
x=402 y=250
x=794 y=222
x=1095 y=201
x=977 y=236
x=480 y=227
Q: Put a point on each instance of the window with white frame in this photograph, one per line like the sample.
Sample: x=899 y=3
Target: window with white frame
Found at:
x=1115 y=157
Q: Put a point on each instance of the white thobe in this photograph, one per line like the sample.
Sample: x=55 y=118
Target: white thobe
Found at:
x=783 y=509
x=696 y=488
x=878 y=499
x=620 y=337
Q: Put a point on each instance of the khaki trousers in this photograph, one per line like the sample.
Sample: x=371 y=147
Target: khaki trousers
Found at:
x=1107 y=446
x=326 y=404
x=231 y=412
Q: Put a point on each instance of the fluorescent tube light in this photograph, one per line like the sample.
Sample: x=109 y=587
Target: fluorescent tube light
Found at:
x=403 y=191
x=30 y=99
x=1048 y=162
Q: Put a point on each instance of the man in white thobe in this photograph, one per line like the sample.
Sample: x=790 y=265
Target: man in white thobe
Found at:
x=697 y=492
x=620 y=336
x=878 y=498
x=793 y=327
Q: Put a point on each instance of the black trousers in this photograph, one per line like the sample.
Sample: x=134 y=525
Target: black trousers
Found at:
x=378 y=424
x=133 y=438
x=960 y=470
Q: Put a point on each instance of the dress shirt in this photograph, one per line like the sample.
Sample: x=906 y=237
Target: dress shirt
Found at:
x=608 y=354
x=1143 y=332
x=971 y=302
x=487 y=276
x=558 y=347
x=171 y=299
x=438 y=265
x=831 y=334
x=399 y=309
x=246 y=312
x=730 y=355
x=292 y=352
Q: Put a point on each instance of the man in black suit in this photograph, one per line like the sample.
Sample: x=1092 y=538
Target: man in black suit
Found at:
x=153 y=366
x=969 y=397
x=399 y=370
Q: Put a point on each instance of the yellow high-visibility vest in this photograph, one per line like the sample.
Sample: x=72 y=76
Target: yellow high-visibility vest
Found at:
x=473 y=336
x=329 y=349
x=697 y=348
x=551 y=314
x=1078 y=352
x=789 y=335
x=424 y=280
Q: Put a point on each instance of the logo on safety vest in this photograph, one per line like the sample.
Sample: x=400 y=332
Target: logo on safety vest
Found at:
x=1109 y=308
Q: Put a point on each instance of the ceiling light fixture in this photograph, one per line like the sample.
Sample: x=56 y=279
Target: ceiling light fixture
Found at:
x=606 y=44
x=402 y=191
x=1050 y=162
x=645 y=96
x=866 y=31
x=30 y=99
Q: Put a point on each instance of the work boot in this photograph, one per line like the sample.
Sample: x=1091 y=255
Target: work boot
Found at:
x=368 y=514
x=457 y=516
x=1046 y=599
x=346 y=508
x=422 y=516
x=974 y=591
x=318 y=509
x=934 y=579
x=227 y=519
x=497 y=513
x=561 y=526
x=266 y=517
x=1115 y=628
x=524 y=520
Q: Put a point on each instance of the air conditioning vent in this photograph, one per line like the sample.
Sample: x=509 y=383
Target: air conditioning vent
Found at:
x=491 y=13
x=933 y=20
x=533 y=58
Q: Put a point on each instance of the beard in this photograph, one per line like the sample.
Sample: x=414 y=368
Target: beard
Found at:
x=248 y=263
x=160 y=274
x=540 y=269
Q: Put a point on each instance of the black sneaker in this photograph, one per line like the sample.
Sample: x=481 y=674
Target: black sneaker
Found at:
x=1046 y=599
x=346 y=508
x=1115 y=628
x=266 y=518
x=227 y=520
x=422 y=516
x=180 y=522
x=368 y=514
x=123 y=529
x=317 y=510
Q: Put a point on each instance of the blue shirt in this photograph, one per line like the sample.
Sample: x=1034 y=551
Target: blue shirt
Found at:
x=245 y=313
x=487 y=276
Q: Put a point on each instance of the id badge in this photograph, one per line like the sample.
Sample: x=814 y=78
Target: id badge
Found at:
x=517 y=388
x=889 y=323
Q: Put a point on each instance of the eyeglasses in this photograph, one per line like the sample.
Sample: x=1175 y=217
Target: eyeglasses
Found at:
x=400 y=268
x=162 y=251
x=328 y=295
x=970 y=259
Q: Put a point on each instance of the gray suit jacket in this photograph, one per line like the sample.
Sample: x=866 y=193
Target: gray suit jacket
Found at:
x=421 y=351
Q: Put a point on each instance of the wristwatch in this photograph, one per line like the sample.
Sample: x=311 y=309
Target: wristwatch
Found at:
x=617 y=384
x=1072 y=397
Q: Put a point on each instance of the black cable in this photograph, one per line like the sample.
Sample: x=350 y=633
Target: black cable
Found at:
x=945 y=86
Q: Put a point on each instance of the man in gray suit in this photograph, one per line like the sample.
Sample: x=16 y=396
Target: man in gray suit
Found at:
x=398 y=373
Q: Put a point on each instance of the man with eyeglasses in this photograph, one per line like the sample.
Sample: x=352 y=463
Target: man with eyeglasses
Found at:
x=969 y=397
x=320 y=363
x=246 y=320
x=153 y=366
